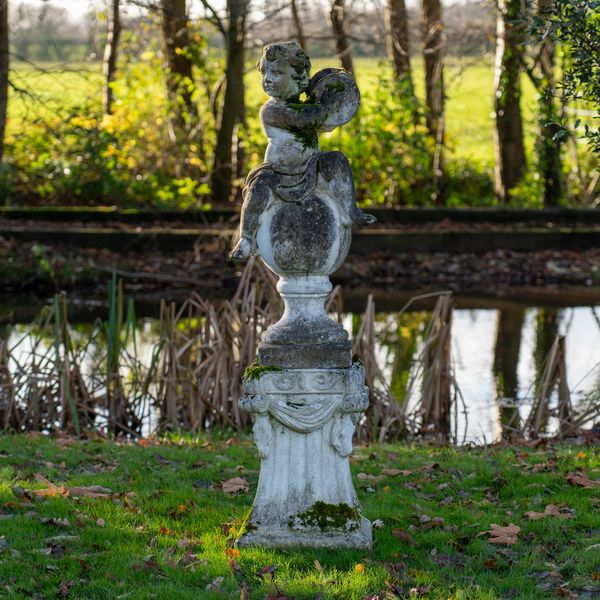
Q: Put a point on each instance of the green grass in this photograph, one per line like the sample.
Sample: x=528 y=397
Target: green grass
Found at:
x=469 y=119
x=139 y=551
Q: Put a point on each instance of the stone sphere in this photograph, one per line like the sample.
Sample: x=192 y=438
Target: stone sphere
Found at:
x=307 y=238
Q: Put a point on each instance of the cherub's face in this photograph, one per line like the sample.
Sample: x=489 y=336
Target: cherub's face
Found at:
x=278 y=82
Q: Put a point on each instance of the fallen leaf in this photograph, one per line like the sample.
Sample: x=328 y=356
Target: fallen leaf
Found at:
x=235 y=484
x=550 y=511
x=369 y=477
x=91 y=491
x=402 y=535
x=360 y=568
x=268 y=569
x=582 y=480
x=100 y=522
x=318 y=566
x=232 y=553
x=506 y=536
x=51 y=489
x=394 y=472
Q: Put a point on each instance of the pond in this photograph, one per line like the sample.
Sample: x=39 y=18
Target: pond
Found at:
x=498 y=355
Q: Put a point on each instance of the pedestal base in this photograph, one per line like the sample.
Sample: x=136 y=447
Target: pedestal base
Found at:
x=303 y=429
x=270 y=537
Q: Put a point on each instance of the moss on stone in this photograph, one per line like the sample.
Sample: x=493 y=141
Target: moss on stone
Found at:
x=328 y=516
x=337 y=86
x=307 y=136
x=255 y=371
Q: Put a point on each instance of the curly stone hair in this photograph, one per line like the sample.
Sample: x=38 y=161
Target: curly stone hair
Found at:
x=292 y=53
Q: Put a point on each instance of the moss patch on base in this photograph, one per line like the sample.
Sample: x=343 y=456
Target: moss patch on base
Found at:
x=328 y=516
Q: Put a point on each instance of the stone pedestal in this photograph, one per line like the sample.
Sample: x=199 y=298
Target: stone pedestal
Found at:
x=299 y=206
x=303 y=429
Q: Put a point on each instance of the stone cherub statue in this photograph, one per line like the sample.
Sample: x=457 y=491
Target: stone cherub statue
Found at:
x=294 y=165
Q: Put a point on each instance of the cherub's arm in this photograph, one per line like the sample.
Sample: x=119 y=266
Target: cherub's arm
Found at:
x=286 y=115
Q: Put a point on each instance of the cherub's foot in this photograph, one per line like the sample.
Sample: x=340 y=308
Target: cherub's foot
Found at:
x=242 y=250
x=360 y=217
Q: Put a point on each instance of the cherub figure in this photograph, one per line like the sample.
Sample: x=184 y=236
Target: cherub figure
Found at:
x=294 y=164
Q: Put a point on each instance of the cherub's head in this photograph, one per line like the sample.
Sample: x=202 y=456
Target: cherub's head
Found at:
x=284 y=68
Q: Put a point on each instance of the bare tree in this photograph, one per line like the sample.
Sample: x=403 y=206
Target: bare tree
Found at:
x=184 y=118
x=4 y=70
x=233 y=109
x=111 y=47
x=510 y=149
x=398 y=46
x=300 y=37
x=339 y=17
x=433 y=41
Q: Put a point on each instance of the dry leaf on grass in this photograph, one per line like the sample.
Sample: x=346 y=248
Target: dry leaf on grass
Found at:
x=368 y=477
x=582 y=480
x=235 y=484
x=91 y=491
x=51 y=489
x=551 y=511
x=505 y=536
x=394 y=472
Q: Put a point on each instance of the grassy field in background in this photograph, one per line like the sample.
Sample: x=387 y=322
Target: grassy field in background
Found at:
x=469 y=120
x=165 y=528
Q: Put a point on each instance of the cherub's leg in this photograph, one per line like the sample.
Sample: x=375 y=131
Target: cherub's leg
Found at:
x=335 y=168
x=256 y=197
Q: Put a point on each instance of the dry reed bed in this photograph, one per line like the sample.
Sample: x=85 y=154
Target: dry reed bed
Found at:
x=189 y=376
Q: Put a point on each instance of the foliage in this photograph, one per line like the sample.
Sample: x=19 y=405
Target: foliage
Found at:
x=61 y=149
x=576 y=25
x=162 y=526
x=389 y=149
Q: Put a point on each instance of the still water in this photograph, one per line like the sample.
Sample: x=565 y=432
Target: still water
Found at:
x=477 y=353
x=497 y=353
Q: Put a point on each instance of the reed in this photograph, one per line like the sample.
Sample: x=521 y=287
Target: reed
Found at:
x=187 y=373
x=554 y=376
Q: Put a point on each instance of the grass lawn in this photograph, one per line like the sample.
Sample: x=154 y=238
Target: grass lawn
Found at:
x=163 y=530
x=470 y=89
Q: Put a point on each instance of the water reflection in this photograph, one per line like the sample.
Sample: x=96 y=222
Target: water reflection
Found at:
x=498 y=356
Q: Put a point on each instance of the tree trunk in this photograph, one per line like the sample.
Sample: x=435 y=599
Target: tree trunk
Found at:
x=432 y=30
x=510 y=150
x=110 y=53
x=300 y=38
x=398 y=49
x=338 y=16
x=506 y=362
x=549 y=158
x=184 y=118
x=4 y=70
x=233 y=108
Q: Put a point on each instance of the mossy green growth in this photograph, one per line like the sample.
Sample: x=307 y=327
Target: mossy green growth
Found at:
x=306 y=135
x=328 y=516
x=338 y=86
x=255 y=371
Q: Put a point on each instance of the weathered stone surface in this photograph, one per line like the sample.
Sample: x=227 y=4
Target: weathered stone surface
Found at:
x=299 y=206
x=305 y=356
x=304 y=422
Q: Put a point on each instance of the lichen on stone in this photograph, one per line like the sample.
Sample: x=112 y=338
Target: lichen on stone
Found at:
x=327 y=516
